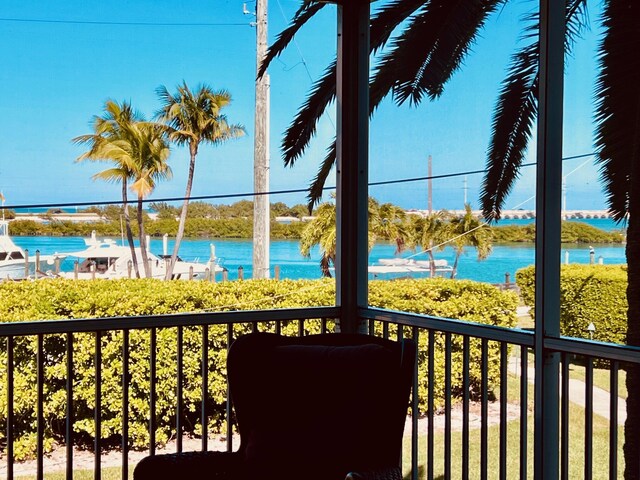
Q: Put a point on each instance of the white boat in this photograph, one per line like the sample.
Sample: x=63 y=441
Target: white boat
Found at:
x=13 y=261
x=105 y=259
x=389 y=268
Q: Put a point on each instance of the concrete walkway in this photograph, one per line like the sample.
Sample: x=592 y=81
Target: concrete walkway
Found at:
x=577 y=393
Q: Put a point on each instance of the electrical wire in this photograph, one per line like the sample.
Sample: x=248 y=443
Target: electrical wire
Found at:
x=135 y=24
x=255 y=194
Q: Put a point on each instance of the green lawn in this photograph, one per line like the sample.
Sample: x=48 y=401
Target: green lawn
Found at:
x=576 y=461
x=112 y=473
x=576 y=445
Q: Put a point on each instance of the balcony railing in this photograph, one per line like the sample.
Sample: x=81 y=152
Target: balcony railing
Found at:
x=450 y=352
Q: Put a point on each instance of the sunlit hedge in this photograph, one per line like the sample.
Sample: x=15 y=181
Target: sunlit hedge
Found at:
x=588 y=294
x=67 y=299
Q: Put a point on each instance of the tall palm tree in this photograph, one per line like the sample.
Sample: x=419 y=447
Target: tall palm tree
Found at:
x=192 y=118
x=432 y=40
x=147 y=151
x=108 y=129
x=469 y=230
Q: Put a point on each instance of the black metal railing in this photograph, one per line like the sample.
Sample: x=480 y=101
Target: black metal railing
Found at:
x=461 y=365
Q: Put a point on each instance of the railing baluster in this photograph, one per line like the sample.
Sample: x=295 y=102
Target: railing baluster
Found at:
x=10 y=407
x=40 y=415
x=447 y=406
x=279 y=326
x=98 y=405
x=413 y=328
x=430 y=404
x=205 y=387
x=68 y=437
x=152 y=391
x=179 y=381
x=503 y=410
x=415 y=412
x=400 y=336
x=564 y=418
x=524 y=410
x=254 y=327
x=588 y=421
x=125 y=404
x=613 y=422
x=484 y=429
x=228 y=403
x=324 y=326
x=465 y=408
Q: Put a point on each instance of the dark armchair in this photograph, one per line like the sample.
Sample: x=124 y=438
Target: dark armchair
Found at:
x=319 y=407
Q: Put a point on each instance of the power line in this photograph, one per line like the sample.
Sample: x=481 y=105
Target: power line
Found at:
x=135 y=24
x=272 y=192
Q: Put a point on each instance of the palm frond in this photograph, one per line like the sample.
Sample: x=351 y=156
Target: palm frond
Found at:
x=303 y=127
x=516 y=109
x=387 y=19
x=284 y=38
x=617 y=136
x=513 y=120
x=316 y=188
x=431 y=48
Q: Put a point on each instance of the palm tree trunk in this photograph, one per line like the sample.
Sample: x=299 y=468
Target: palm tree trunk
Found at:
x=183 y=213
x=632 y=424
x=454 y=269
x=143 y=240
x=127 y=223
x=432 y=262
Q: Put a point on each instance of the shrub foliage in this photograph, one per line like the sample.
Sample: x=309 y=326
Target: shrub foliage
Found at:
x=68 y=299
x=588 y=293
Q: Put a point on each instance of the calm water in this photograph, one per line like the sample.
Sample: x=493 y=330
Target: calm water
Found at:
x=285 y=254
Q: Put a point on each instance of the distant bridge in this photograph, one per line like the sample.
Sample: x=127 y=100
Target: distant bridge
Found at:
x=524 y=214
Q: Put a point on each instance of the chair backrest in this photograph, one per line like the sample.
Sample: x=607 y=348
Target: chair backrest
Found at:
x=321 y=405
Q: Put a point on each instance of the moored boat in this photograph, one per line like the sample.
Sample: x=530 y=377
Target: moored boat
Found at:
x=106 y=259
x=390 y=268
x=15 y=264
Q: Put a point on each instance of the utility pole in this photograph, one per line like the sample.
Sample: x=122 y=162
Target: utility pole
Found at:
x=464 y=187
x=429 y=186
x=261 y=205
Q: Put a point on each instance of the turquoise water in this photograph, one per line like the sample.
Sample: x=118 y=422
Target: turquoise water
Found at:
x=285 y=254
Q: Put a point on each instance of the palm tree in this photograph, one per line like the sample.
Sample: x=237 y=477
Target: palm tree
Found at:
x=110 y=129
x=468 y=230
x=430 y=233
x=386 y=222
x=433 y=39
x=321 y=231
x=148 y=152
x=389 y=222
x=192 y=118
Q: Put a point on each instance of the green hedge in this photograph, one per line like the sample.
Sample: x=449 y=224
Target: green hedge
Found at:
x=65 y=299
x=588 y=293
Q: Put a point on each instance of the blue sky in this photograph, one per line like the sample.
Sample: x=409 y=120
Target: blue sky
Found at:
x=57 y=71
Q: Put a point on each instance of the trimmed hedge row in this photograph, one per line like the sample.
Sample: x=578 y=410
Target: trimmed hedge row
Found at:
x=66 y=299
x=588 y=293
